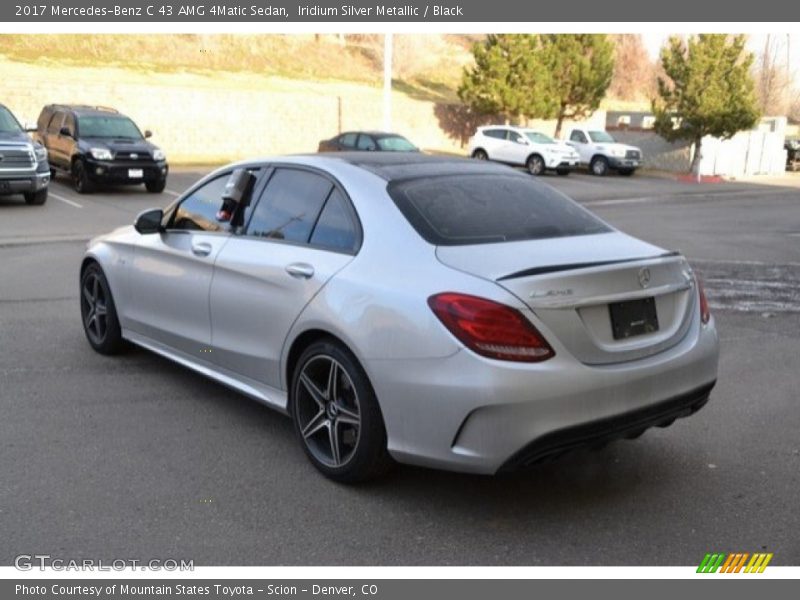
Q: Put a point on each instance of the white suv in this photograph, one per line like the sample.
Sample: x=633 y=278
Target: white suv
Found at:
x=518 y=146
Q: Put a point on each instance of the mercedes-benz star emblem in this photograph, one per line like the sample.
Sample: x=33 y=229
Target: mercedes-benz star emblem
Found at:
x=644 y=277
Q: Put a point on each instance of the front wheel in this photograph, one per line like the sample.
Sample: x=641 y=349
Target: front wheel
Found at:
x=80 y=178
x=336 y=414
x=535 y=164
x=599 y=166
x=99 y=313
x=156 y=187
x=36 y=198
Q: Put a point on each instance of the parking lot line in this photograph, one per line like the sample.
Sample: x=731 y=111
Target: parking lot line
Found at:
x=65 y=200
x=171 y=193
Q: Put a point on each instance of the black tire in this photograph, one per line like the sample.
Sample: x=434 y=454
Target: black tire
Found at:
x=101 y=328
x=322 y=423
x=480 y=154
x=36 y=198
x=535 y=165
x=599 y=166
x=80 y=178
x=563 y=172
x=626 y=172
x=156 y=187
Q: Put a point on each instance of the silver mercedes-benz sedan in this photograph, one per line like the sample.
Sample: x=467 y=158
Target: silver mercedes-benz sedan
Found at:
x=440 y=312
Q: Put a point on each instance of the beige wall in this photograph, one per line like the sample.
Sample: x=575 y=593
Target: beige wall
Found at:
x=198 y=118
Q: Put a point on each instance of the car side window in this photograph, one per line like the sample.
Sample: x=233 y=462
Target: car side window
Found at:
x=335 y=228
x=55 y=122
x=498 y=134
x=348 y=140
x=44 y=120
x=289 y=206
x=365 y=142
x=577 y=136
x=69 y=123
x=513 y=136
x=198 y=211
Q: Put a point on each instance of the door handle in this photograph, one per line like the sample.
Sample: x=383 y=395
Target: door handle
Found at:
x=201 y=249
x=300 y=270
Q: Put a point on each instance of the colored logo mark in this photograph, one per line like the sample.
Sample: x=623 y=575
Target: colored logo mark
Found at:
x=735 y=563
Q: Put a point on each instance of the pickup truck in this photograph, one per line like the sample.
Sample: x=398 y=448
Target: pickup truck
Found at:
x=23 y=163
x=601 y=152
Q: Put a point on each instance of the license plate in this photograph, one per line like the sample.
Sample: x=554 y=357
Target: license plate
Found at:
x=135 y=173
x=632 y=318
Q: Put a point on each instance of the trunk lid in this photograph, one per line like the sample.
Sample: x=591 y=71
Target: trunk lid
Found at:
x=570 y=283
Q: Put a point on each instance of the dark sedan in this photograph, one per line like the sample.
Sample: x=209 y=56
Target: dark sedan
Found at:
x=368 y=141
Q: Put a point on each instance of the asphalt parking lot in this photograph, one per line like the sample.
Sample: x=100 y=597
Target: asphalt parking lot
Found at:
x=135 y=457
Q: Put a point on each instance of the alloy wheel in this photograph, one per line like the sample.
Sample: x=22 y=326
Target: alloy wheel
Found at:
x=327 y=410
x=94 y=307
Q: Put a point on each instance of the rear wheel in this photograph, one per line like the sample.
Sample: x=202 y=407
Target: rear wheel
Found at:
x=156 y=187
x=480 y=154
x=80 y=178
x=98 y=312
x=535 y=164
x=36 y=198
x=599 y=166
x=336 y=414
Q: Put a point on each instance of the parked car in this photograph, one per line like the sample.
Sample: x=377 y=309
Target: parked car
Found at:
x=96 y=145
x=23 y=163
x=513 y=326
x=519 y=146
x=377 y=141
x=600 y=152
x=792 y=147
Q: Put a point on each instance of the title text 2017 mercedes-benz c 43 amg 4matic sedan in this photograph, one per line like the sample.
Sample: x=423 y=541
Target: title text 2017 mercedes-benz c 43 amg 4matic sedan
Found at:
x=440 y=312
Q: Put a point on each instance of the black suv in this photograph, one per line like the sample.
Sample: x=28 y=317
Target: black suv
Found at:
x=23 y=163
x=95 y=145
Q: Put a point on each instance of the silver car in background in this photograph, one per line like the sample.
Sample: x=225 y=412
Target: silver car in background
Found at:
x=441 y=312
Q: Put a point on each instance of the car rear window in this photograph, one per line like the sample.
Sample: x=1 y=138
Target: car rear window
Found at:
x=483 y=209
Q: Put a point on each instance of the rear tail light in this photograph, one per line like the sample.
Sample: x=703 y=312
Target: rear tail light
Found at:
x=705 y=313
x=490 y=328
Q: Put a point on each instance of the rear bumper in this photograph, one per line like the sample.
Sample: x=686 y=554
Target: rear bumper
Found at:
x=23 y=183
x=119 y=172
x=472 y=414
x=600 y=432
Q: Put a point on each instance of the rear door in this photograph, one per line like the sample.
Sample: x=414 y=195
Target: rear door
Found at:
x=302 y=231
x=514 y=149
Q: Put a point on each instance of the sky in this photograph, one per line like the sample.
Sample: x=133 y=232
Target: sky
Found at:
x=756 y=43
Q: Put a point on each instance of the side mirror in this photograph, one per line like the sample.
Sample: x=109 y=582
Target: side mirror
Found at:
x=65 y=132
x=149 y=221
x=148 y=133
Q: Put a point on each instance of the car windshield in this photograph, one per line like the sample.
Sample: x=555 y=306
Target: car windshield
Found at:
x=8 y=124
x=108 y=127
x=601 y=136
x=539 y=138
x=396 y=144
x=456 y=210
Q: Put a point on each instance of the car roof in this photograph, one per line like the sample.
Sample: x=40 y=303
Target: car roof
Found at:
x=374 y=133
x=393 y=166
x=85 y=109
